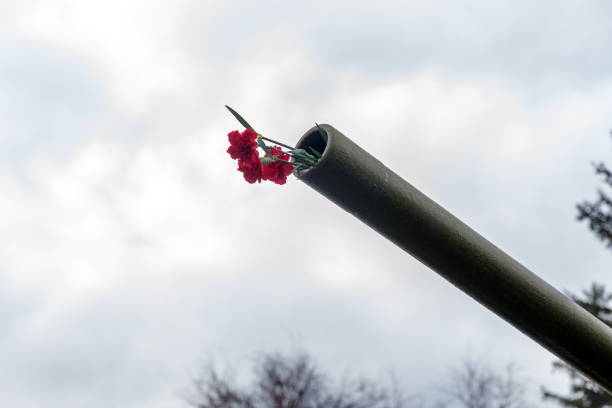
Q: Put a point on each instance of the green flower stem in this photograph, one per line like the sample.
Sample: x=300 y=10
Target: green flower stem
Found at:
x=301 y=158
x=275 y=142
x=289 y=152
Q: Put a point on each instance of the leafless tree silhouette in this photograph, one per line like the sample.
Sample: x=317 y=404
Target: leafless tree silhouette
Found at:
x=291 y=381
x=475 y=385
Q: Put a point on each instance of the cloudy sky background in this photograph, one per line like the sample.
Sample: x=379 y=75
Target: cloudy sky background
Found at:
x=133 y=251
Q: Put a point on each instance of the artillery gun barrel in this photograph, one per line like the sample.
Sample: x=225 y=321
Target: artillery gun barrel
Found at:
x=360 y=184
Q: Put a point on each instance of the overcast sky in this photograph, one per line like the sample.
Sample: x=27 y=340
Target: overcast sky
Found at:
x=133 y=251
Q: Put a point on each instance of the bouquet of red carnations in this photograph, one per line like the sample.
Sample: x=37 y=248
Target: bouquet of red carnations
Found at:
x=275 y=165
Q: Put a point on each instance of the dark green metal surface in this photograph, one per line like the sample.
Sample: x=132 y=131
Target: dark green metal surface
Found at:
x=363 y=186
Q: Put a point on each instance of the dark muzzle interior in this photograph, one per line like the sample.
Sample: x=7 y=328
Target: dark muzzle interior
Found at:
x=316 y=138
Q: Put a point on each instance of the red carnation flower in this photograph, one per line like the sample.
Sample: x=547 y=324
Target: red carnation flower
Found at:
x=278 y=151
x=251 y=167
x=243 y=147
x=277 y=171
x=242 y=144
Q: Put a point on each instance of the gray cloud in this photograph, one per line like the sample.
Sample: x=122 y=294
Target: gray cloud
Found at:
x=50 y=102
x=549 y=44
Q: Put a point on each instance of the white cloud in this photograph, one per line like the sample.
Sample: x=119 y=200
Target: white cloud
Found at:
x=135 y=46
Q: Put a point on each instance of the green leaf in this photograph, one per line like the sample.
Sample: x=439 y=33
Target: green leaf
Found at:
x=316 y=154
x=240 y=118
x=305 y=157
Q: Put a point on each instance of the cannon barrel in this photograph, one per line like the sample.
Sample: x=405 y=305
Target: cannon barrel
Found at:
x=360 y=184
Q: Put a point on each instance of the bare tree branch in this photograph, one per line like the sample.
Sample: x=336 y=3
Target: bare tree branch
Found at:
x=475 y=385
x=292 y=381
